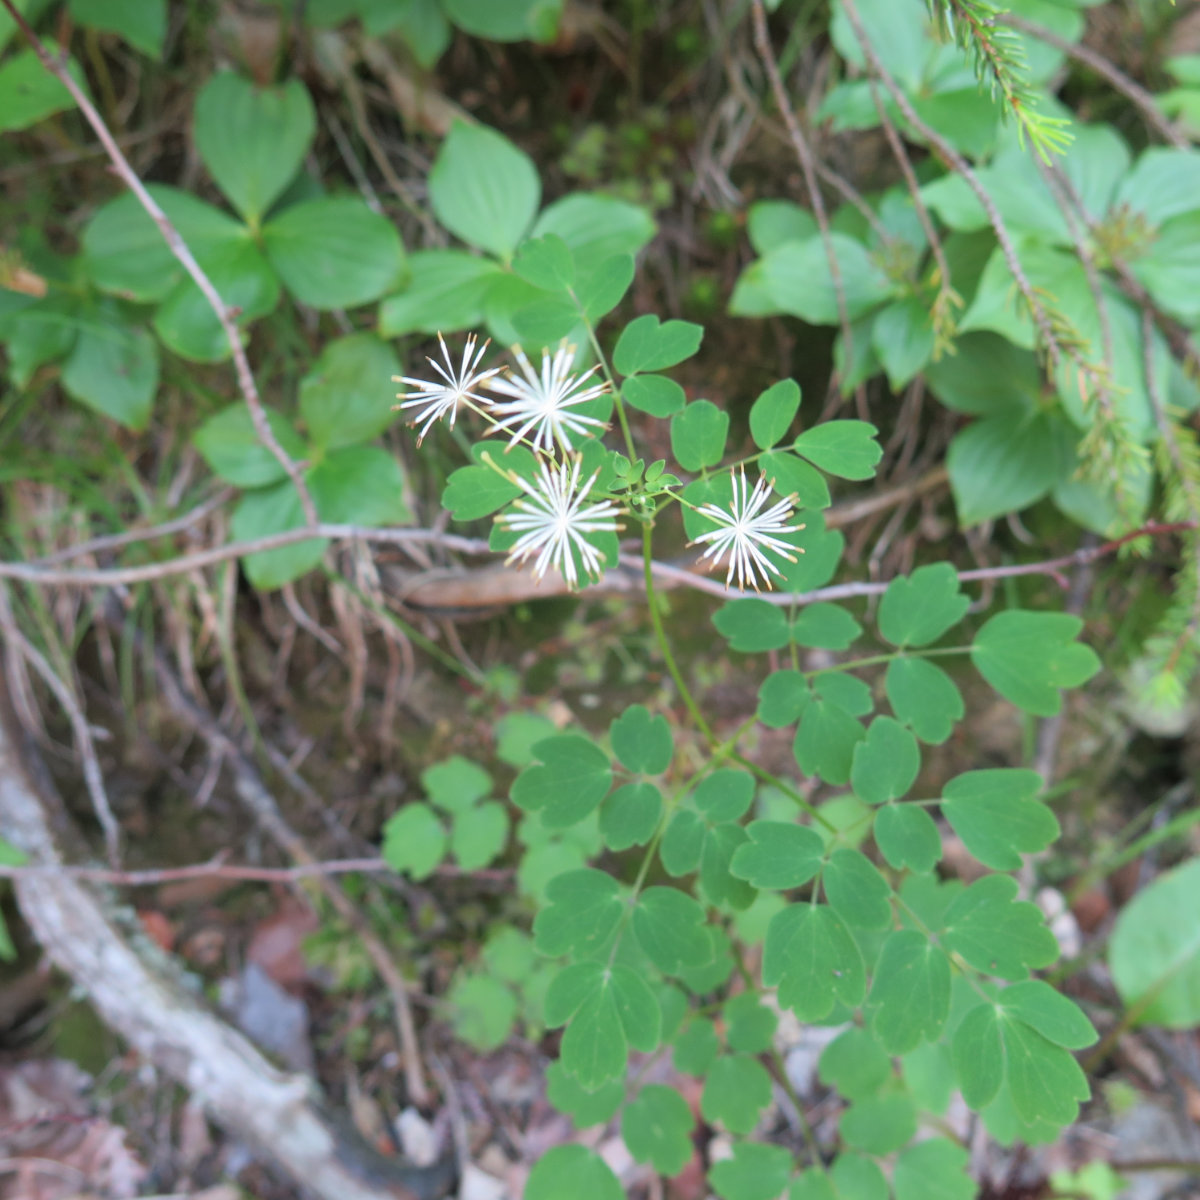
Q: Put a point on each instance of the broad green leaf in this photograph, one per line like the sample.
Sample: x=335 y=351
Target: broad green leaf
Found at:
x=483 y=189
x=885 y=762
x=29 y=93
x=1028 y=656
x=797 y=279
x=506 y=21
x=725 y=794
x=910 y=993
x=269 y=510
x=902 y=337
x=917 y=609
x=824 y=626
x=1046 y=1083
x=630 y=815
x=825 y=741
x=482 y=1011
x=998 y=816
x=646 y=344
x=341 y=398
x=478 y=837
x=657 y=1127
x=770 y=223
x=721 y=843
x=456 y=784
x=778 y=855
x=585 y=1108
x=847 y=449
x=1154 y=954
x=810 y=955
x=583 y=908
x=595 y=227
x=574 y=1171
x=604 y=288
x=756 y=1171
x=896 y=33
x=654 y=394
x=697 y=1047
x=228 y=442
x=113 y=368
x=358 y=485
x=1164 y=183
x=907 y=836
x=142 y=23
x=751 y=625
x=736 y=1089
x=698 y=435
x=567 y=783
x=474 y=492
x=782 y=697
x=997 y=934
x=1171 y=268
x=856 y=890
x=414 y=841
x=683 y=843
x=1055 y=1016
x=642 y=742
x=444 y=292
x=924 y=697
x=546 y=262
x=334 y=252
x=855 y=1063
x=987 y=375
x=933 y=1170
x=791 y=476
x=669 y=927
x=879 y=1124
x=252 y=139
x=772 y=414
x=749 y=1025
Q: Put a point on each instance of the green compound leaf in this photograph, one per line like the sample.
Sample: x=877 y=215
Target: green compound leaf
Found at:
x=853 y=1178
x=474 y=492
x=846 y=691
x=879 y=1124
x=414 y=841
x=227 y=441
x=916 y=610
x=1046 y=1083
x=933 y=1170
x=483 y=189
x=340 y=397
x=573 y=1171
x=252 y=139
x=697 y=1047
x=657 y=1128
x=1055 y=1016
x=567 y=784
x=654 y=394
x=1027 y=657
x=749 y=1025
x=478 y=836
x=683 y=843
x=824 y=627
x=924 y=697
x=855 y=1063
x=725 y=794
x=978 y=1055
x=995 y=933
x=782 y=697
x=998 y=817
x=736 y=1090
x=791 y=476
x=637 y=1006
x=721 y=843
x=885 y=762
x=630 y=815
x=751 y=625
x=698 y=435
x=907 y=836
x=773 y=412
x=642 y=742
x=778 y=856
x=546 y=262
x=1154 y=953
x=669 y=927
x=812 y=958
x=583 y=909
x=755 y=1172
x=444 y=292
x=825 y=741
x=585 y=1108
x=910 y=993
x=603 y=289
x=509 y=955
x=847 y=449
x=700 y=981
x=482 y=1011
x=457 y=784
x=647 y=345
x=857 y=891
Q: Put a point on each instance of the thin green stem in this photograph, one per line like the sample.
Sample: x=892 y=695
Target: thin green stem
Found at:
x=602 y=359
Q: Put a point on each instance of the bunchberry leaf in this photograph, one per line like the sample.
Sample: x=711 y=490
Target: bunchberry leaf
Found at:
x=545 y=262
x=1046 y=1083
x=574 y=1171
x=810 y=955
x=227 y=441
x=697 y=1047
x=482 y=1010
x=647 y=345
x=824 y=627
x=782 y=697
x=669 y=927
x=847 y=449
x=584 y=1108
x=594 y=225
x=654 y=394
x=683 y=843
x=736 y=1089
x=725 y=794
x=772 y=414
x=642 y=742
x=855 y=1063
x=879 y=1124
x=339 y=397
x=414 y=841
x=790 y=475
x=721 y=842
x=778 y=855
x=1055 y=1016
x=910 y=993
x=657 y=1128
x=567 y=783
x=456 y=784
x=1028 y=656
x=752 y=625
x=846 y=691
x=918 y=609
x=933 y=1170
x=698 y=435
x=825 y=741
x=907 y=836
x=997 y=815
x=583 y=908
x=755 y=1172
x=885 y=762
x=600 y=290
x=924 y=697
x=749 y=1025
x=630 y=815
x=997 y=934
x=716 y=972
x=478 y=835
x=856 y=890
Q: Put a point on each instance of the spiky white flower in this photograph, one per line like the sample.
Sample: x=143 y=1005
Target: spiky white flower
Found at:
x=437 y=400
x=552 y=521
x=745 y=532
x=542 y=403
